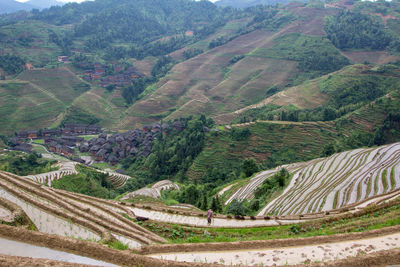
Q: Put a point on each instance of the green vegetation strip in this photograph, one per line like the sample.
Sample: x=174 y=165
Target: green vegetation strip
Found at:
x=392 y=180
x=370 y=219
x=384 y=181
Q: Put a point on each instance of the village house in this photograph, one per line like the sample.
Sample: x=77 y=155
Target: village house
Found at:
x=67 y=151
x=189 y=33
x=71 y=140
x=146 y=128
x=28 y=134
x=28 y=66
x=24 y=147
x=51 y=132
x=73 y=128
x=63 y=59
x=118 y=68
x=156 y=128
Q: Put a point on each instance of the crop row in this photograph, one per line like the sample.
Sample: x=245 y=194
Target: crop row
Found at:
x=98 y=216
x=339 y=180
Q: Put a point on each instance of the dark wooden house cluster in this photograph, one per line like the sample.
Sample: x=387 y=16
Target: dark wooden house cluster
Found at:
x=121 y=77
x=116 y=147
x=61 y=140
x=80 y=129
x=63 y=145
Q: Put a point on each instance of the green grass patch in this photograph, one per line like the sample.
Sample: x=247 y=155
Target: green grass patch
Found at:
x=88 y=182
x=314 y=53
x=118 y=245
x=335 y=200
x=181 y=234
x=384 y=180
x=392 y=179
x=39 y=141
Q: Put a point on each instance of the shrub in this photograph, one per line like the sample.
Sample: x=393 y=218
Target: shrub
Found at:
x=237 y=208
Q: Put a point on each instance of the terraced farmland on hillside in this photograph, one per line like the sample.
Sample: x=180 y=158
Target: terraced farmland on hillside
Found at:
x=73 y=215
x=339 y=180
x=26 y=106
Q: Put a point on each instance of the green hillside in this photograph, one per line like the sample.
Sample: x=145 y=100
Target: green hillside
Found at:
x=273 y=143
x=324 y=98
x=26 y=106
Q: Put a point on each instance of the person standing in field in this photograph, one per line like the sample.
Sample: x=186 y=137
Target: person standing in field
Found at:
x=209 y=216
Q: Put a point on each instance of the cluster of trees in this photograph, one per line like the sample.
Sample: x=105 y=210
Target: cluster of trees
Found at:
x=63 y=41
x=218 y=42
x=349 y=30
x=142 y=24
x=240 y=134
x=200 y=196
x=345 y=97
x=131 y=93
x=313 y=54
x=88 y=182
x=12 y=64
x=389 y=131
x=171 y=153
x=77 y=115
x=162 y=66
x=175 y=153
x=236 y=59
x=25 y=164
x=268 y=17
x=192 y=52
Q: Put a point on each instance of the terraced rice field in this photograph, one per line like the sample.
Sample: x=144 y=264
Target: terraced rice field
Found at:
x=73 y=215
x=154 y=191
x=339 y=180
x=66 y=168
x=247 y=191
x=117 y=179
x=289 y=255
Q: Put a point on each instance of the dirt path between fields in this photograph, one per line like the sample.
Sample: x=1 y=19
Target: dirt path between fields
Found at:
x=15 y=248
x=290 y=255
x=375 y=256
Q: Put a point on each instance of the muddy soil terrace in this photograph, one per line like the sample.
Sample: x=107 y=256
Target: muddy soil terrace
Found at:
x=127 y=258
x=108 y=221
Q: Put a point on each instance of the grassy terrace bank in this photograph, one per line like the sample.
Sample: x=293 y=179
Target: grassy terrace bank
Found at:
x=374 y=217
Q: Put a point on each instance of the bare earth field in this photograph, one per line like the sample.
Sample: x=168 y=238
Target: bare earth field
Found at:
x=375 y=57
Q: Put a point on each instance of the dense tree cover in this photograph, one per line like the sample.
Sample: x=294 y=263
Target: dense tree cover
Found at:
x=171 y=153
x=131 y=93
x=349 y=30
x=25 y=164
x=237 y=208
x=345 y=97
x=162 y=66
x=239 y=134
x=250 y=167
x=77 y=115
x=63 y=41
x=313 y=53
x=389 y=131
x=88 y=182
x=236 y=59
x=142 y=24
x=383 y=7
x=12 y=64
x=272 y=184
x=192 y=52
x=268 y=17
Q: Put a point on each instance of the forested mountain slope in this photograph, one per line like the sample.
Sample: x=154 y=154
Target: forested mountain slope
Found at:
x=195 y=57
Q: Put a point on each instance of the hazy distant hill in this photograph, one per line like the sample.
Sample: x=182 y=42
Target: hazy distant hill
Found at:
x=44 y=3
x=9 y=6
x=248 y=3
